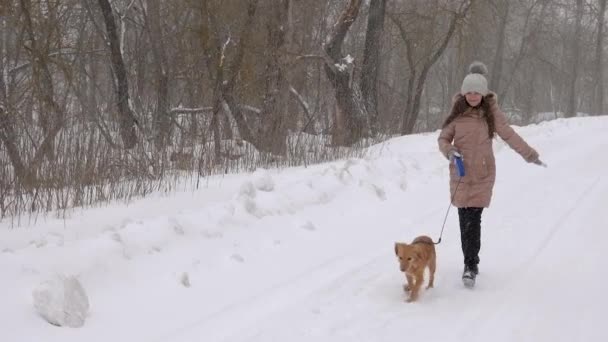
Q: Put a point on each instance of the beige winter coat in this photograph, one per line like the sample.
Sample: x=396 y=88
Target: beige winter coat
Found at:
x=468 y=133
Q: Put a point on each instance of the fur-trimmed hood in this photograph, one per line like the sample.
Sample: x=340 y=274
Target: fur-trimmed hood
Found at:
x=486 y=110
x=491 y=97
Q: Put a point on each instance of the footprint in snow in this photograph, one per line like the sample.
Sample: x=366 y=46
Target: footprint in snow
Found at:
x=237 y=257
x=177 y=227
x=308 y=226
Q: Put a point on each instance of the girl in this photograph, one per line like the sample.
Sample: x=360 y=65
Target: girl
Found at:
x=467 y=133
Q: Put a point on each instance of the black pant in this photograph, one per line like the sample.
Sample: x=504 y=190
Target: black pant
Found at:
x=470 y=234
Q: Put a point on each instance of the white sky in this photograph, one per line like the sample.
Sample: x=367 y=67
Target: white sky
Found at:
x=306 y=254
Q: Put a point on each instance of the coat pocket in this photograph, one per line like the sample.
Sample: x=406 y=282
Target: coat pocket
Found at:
x=486 y=168
x=483 y=168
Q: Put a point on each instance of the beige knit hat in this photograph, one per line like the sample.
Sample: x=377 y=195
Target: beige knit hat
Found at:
x=475 y=80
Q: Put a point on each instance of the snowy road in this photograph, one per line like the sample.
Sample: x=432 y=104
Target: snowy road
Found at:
x=307 y=254
x=541 y=253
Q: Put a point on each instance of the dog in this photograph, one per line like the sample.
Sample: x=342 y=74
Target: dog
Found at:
x=413 y=259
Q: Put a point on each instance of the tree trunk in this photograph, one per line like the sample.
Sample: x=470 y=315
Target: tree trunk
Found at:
x=233 y=69
x=410 y=115
x=8 y=136
x=352 y=119
x=503 y=15
x=43 y=83
x=411 y=80
x=226 y=77
x=161 y=118
x=599 y=63
x=371 y=60
x=215 y=118
x=273 y=129
x=528 y=42
x=571 y=107
x=528 y=96
x=214 y=56
x=127 y=121
x=7 y=133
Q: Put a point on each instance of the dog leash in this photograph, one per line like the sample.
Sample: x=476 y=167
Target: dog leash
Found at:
x=460 y=168
x=447 y=212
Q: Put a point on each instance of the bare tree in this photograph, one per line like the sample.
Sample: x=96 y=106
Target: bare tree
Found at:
x=419 y=75
x=44 y=85
x=127 y=120
x=228 y=85
x=371 y=59
x=157 y=40
x=8 y=136
x=273 y=129
x=531 y=28
x=214 y=55
x=231 y=72
x=571 y=107
x=352 y=122
x=502 y=13
x=599 y=59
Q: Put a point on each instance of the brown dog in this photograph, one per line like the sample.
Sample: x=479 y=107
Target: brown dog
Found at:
x=413 y=259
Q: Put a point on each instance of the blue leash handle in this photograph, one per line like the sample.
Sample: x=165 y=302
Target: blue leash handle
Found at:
x=459 y=166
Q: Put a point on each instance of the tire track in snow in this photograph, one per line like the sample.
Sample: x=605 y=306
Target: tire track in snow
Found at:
x=483 y=318
x=350 y=286
x=220 y=325
x=376 y=275
x=582 y=198
x=247 y=312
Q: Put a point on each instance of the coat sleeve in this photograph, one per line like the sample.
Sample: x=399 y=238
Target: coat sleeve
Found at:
x=508 y=134
x=446 y=136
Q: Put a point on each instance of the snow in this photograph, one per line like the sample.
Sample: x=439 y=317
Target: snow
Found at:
x=307 y=254
x=349 y=59
x=346 y=64
x=62 y=301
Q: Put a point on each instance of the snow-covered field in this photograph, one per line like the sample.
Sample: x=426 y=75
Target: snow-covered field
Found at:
x=306 y=254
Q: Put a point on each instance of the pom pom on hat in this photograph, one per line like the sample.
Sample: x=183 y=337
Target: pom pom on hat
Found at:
x=475 y=80
x=478 y=67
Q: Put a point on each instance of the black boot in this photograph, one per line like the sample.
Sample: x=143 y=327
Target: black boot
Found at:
x=474 y=269
x=470 y=238
x=470 y=234
x=468 y=276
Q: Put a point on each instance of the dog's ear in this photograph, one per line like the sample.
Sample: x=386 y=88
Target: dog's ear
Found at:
x=399 y=245
x=418 y=254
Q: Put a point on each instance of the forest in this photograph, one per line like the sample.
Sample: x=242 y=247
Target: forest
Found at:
x=114 y=99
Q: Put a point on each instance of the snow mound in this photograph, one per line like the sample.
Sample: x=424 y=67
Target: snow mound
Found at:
x=62 y=301
x=263 y=180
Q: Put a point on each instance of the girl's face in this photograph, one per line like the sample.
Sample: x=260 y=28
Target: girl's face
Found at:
x=473 y=98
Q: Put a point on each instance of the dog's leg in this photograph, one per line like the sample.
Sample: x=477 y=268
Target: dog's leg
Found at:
x=413 y=293
x=410 y=283
x=419 y=279
x=432 y=267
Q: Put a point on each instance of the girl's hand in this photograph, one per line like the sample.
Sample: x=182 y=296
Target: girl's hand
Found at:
x=539 y=162
x=453 y=153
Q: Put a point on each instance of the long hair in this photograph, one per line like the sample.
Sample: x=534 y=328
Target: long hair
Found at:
x=461 y=105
